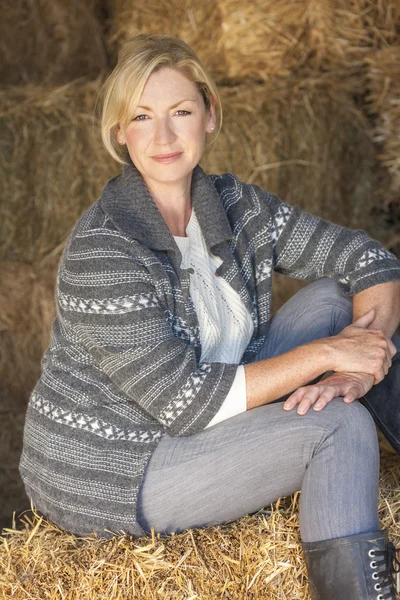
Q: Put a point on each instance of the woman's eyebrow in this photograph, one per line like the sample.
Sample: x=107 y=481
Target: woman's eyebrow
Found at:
x=173 y=106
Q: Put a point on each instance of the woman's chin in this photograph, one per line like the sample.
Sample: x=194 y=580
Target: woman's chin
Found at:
x=169 y=173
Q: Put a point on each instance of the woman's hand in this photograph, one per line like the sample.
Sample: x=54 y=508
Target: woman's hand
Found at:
x=358 y=349
x=348 y=385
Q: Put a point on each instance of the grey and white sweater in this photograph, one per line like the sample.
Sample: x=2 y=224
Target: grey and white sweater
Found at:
x=123 y=366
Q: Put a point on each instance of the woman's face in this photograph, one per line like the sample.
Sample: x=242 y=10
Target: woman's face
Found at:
x=166 y=135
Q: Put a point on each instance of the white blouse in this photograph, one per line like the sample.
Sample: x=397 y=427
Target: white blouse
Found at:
x=224 y=321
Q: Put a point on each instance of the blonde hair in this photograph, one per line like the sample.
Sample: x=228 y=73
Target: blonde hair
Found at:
x=137 y=60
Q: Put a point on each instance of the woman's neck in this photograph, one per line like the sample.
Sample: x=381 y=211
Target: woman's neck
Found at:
x=174 y=202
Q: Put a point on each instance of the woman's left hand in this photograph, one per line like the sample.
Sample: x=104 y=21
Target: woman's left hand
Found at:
x=350 y=386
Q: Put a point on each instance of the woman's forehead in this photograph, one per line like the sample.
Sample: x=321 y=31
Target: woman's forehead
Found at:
x=167 y=85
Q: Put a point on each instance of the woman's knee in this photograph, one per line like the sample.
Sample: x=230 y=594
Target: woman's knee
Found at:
x=325 y=302
x=351 y=424
x=327 y=291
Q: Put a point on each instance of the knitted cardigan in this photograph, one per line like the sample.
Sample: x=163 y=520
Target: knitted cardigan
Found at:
x=123 y=366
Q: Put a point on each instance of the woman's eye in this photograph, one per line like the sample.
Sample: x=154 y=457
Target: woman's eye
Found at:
x=140 y=118
x=183 y=112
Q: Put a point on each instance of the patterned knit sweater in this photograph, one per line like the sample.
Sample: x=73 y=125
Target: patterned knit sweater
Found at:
x=123 y=366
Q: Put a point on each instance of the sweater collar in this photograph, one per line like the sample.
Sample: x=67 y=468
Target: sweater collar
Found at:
x=127 y=201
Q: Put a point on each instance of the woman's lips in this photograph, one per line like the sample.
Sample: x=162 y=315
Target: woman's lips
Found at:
x=167 y=158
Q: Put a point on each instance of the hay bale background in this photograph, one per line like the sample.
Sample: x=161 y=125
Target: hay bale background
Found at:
x=13 y=497
x=27 y=310
x=50 y=41
x=382 y=21
x=258 y=556
x=384 y=109
x=198 y=23
x=276 y=38
x=311 y=97
x=52 y=165
x=384 y=106
x=304 y=140
x=260 y=40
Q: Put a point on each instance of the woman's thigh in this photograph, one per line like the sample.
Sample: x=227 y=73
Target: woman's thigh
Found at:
x=318 y=310
x=239 y=465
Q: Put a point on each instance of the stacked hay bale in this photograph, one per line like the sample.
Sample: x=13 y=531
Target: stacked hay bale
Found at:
x=13 y=498
x=384 y=108
x=52 y=166
x=50 y=42
x=197 y=23
x=26 y=314
x=292 y=138
x=52 y=60
x=310 y=93
x=252 y=40
x=382 y=100
x=382 y=23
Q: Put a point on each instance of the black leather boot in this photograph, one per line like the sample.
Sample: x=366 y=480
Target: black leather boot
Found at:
x=357 y=567
x=383 y=402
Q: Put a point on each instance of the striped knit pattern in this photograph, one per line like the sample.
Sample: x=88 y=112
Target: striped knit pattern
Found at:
x=124 y=363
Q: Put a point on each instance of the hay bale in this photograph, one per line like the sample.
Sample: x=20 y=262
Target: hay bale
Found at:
x=50 y=41
x=382 y=21
x=198 y=23
x=305 y=140
x=258 y=556
x=383 y=81
x=52 y=165
x=384 y=105
x=259 y=40
x=268 y=38
x=255 y=557
x=27 y=310
x=12 y=492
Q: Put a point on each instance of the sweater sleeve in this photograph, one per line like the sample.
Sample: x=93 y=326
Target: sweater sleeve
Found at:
x=308 y=247
x=113 y=312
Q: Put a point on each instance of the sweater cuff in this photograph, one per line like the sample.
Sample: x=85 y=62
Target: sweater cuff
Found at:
x=392 y=273
x=236 y=400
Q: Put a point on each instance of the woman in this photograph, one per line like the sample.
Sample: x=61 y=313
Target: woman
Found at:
x=155 y=407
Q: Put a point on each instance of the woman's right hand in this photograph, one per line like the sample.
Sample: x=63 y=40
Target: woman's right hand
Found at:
x=358 y=349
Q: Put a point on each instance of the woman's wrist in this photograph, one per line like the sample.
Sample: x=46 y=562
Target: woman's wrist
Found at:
x=324 y=354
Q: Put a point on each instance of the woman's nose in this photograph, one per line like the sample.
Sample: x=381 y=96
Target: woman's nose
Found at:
x=164 y=133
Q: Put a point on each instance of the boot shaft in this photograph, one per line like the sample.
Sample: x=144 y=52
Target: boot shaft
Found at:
x=357 y=567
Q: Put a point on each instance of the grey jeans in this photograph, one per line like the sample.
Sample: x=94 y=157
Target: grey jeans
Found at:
x=244 y=463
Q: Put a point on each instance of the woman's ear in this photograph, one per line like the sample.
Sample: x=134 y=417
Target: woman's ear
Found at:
x=211 y=117
x=119 y=134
